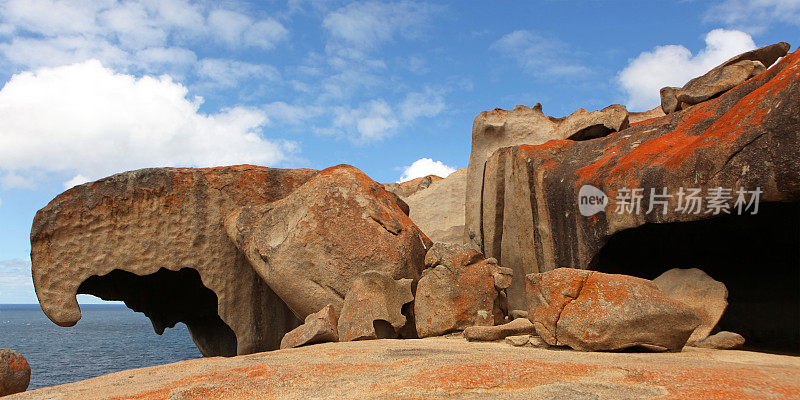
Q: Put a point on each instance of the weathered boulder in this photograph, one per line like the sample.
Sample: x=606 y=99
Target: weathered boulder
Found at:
x=722 y=78
x=593 y=311
x=459 y=289
x=723 y=340
x=408 y=188
x=747 y=138
x=311 y=245
x=439 y=210
x=496 y=129
x=155 y=239
x=519 y=326
x=15 y=373
x=373 y=307
x=318 y=328
x=700 y=292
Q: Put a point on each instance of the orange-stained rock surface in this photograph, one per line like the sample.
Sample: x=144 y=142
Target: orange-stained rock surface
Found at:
x=155 y=239
x=749 y=137
x=407 y=188
x=445 y=368
x=15 y=373
x=593 y=311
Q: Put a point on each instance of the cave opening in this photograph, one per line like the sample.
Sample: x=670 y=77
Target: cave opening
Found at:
x=168 y=297
x=756 y=256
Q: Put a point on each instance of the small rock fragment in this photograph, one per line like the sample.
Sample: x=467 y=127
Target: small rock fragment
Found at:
x=372 y=308
x=317 y=328
x=723 y=340
x=15 y=373
x=536 y=341
x=514 y=314
x=519 y=326
x=518 y=340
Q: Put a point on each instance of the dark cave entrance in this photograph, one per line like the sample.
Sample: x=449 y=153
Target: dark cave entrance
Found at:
x=168 y=297
x=756 y=256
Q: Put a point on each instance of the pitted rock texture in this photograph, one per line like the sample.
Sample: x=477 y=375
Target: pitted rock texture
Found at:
x=519 y=326
x=311 y=245
x=164 y=227
x=439 y=210
x=496 y=129
x=593 y=311
x=445 y=368
x=15 y=373
x=749 y=137
x=317 y=328
x=722 y=78
x=459 y=289
x=373 y=307
x=702 y=293
x=408 y=188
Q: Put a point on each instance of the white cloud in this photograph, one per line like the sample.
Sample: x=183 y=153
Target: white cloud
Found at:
x=755 y=15
x=75 y=181
x=291 y=114
x=540 y=56
x=84 y=119
x=426 y=104
x=1 y=202
x=425 y=167
x=368 y=24
x=228 y=73
x=674 y=65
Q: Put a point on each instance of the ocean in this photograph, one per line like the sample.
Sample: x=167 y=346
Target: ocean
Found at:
x=108 y=338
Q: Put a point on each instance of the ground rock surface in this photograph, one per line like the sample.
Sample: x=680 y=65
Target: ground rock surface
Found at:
x=311 y=245
x=15 y=373
x=702 y=293
x=446 y=368
x=132 y=235
x=593 y=311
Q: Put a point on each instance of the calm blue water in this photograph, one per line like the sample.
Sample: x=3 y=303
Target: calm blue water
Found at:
x=108 y=338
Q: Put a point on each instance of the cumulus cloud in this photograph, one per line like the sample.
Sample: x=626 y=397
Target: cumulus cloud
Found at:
x=540 y=56
x=674 y=65
x=755 y=15
x=425 y=167
x=86 y=120
x=368 y=24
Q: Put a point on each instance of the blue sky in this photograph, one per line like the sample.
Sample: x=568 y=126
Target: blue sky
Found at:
x=95 y=87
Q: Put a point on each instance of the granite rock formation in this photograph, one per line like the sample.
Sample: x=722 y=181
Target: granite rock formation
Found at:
x=746 y=140
x=317 y=328
x=439 y=210
x=519 y=326
x=722 y=78
x=408 y=188
x=373 y=307
x=702 y=293
x=310 y=246
x=496 y=129
x=459 y=289
x=593 y=311
x=155 y=239
x=15 y=373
